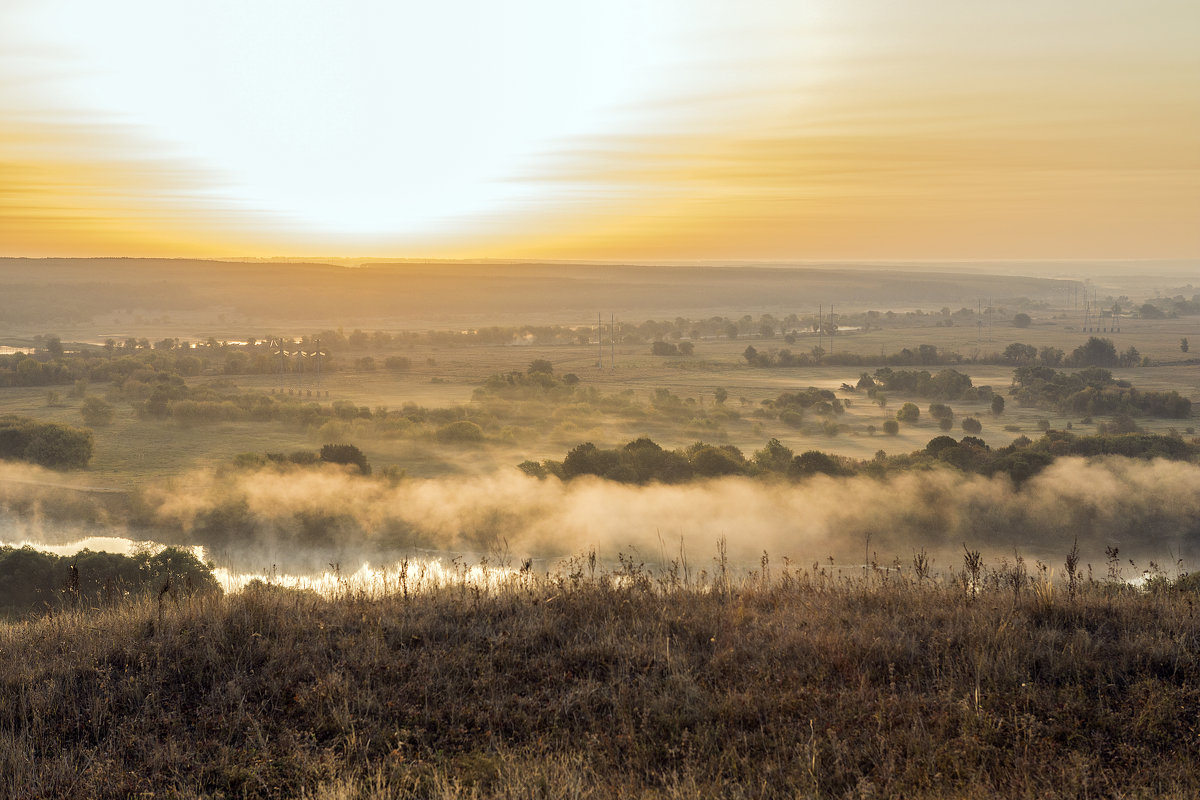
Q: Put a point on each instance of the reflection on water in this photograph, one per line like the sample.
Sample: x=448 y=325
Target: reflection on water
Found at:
x=368 y=580
x=98 y=544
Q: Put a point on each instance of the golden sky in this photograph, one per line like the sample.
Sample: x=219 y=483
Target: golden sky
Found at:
x=624 y=129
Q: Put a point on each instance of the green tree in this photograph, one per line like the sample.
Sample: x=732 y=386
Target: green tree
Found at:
x=1022 y=320
x=971 y=425
x=661 y=348
x=345 y=454
x=96 y=411
x=909 y=413
x=891 y=427
x=815 y=462
x=997 y=405
x=1096 y=352
x=1017 y=353
x=720 y=395
x=1050 y=356
x=775 y=457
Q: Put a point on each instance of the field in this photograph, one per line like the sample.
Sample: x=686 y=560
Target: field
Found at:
x=893 y=624
x=991 y=681
x=132 y=452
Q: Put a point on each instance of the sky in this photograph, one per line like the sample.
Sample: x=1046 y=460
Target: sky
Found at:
x=624 y=129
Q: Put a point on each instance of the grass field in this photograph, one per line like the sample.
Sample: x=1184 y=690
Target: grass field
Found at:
x=134 y=452
x=772 y=669
x=787 y=682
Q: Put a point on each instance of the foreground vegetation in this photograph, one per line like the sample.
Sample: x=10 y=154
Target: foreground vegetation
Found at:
x=586 y=683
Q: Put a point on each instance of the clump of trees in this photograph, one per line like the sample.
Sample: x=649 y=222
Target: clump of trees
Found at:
x=662 y=348
x=643 y=461
x=47 y=444
x=947 y=384
x=32 y=581
x=1093 y=390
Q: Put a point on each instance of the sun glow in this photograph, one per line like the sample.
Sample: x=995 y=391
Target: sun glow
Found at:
x=624 y=129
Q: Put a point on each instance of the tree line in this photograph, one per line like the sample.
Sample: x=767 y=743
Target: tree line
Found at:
x=643 y=461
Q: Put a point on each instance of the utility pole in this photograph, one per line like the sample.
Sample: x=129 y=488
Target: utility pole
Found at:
x=832 y=329
x=612 y=341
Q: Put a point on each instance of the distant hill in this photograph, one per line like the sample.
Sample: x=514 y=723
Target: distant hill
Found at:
x=46 y=291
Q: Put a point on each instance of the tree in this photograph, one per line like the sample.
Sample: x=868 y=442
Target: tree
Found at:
x=687 y=348
x=720 y=394
x=1183 y=345
x=661 y=348
x=345 y=454
x=540 y=365
x=587 y=459
x=891 y=427
x=1096 y=352
x=1022 y=321
x=814 y=462
x=940 y=411
x=1130 y=357
x=46 y=444
x=1017 y=353
x=775 y=457
x=1050 y=356
x=459 y=432
x=96 y=411
x=750 y=353
x=997 y=405
x=909 y=413
x=971 y=425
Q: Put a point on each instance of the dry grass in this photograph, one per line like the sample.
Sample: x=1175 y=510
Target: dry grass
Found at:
x=627 y=683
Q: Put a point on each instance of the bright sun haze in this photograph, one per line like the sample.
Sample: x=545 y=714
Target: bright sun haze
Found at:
x=622 y=129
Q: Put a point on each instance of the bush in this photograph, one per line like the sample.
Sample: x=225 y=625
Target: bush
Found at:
x=460 y=432
x=397 y=363
x=345 y=454
x=891 y=427
x=661 y=348
x=46 y=444
x=971 y=425
x=908 y=413
x=96 y=411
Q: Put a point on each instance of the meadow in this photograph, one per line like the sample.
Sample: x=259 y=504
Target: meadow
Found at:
x=688 y=681
x=891 y=622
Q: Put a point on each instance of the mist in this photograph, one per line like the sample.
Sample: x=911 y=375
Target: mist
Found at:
x=1148 y=509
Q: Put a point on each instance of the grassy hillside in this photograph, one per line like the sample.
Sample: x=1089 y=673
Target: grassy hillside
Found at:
x=673 y=684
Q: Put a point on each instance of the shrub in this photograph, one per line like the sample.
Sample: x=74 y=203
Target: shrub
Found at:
x=46 y=444
x=96 y=411
x=908 y=413
x=345 y=454
x=460 y=432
